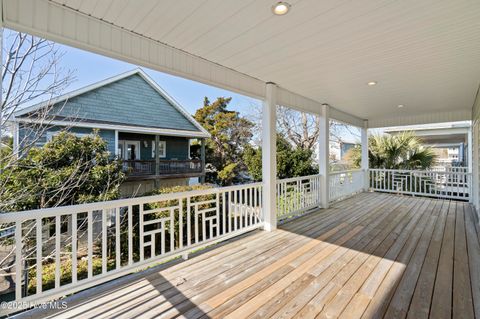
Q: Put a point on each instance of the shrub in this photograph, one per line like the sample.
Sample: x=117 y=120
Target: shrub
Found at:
x=48 y=272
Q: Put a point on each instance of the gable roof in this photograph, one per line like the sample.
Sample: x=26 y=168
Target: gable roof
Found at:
x=131 y=99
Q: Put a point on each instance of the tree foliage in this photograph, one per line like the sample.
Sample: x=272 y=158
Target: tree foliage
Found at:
x=65 y=171
x=230 y=135
x=291 y=161
x=402 y=151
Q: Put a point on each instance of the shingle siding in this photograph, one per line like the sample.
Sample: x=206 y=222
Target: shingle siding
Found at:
x=26 y=136
x=130 y=100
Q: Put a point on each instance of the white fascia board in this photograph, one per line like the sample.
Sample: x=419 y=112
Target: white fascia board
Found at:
x=433 y=117
x=122 y=128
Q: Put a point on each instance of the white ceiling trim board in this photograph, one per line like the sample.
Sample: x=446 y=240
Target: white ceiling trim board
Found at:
x=433 y=117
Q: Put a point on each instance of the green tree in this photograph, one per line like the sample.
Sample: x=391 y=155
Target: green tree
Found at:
x=230 y=135
x=65 y=171
x=402 y=151
x=291 y=161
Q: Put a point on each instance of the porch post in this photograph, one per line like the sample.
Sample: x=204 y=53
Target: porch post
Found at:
x=364 y=137
x=470 y=149
x=157 y=161
x=323 y=155
x=116 y=144
x=473 y=149
x=269 y=156
x=202 y=157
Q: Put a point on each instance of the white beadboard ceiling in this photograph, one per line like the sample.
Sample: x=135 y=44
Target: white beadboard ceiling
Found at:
x=424 y=54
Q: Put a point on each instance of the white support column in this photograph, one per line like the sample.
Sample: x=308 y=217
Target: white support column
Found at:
x=470 y=159
x=323 y=155
x=470 y=149
x=269 y=157
x=473 y=148
x=116 y=144
x=364 y=137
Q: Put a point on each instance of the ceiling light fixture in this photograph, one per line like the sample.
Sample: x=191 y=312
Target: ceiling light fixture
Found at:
x=372 y=83
x=400 y=105
x=281 y=8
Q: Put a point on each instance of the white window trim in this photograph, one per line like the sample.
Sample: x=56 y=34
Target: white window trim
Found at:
x=125 y=142
x=164 y=147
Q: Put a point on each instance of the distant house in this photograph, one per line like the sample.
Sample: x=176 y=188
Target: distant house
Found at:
x=449 y=140
x=140 y=122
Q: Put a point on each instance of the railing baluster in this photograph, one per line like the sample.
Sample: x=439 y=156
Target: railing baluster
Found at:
x=189 y=226
x=180 y=223
x=104 y=241
x=217 y=213
x=230 y=223
x=90 y=243
x=242 y=217
x=39 y=265
x=18 y=261
x=224 y=216
x=235 y=210
x=117 y=238
x=204 y=226
x=141 y=230
x=74 y=247
x=130 y=235
x=57 y=251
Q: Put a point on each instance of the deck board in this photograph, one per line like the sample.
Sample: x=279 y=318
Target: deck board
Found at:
x=371 y=256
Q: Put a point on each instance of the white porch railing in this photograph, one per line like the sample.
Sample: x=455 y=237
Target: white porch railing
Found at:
x=345 y=183
x=442 y=184
x=297 y=195
x=88 y=244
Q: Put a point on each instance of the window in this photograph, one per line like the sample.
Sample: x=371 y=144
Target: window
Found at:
x=162 y=149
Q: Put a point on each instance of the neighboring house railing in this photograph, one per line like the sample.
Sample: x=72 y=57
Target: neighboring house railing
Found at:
x=297 y=195
x=345 y=183
x=454 y=185
x=450 y=169
x=93 y=243
x=137 y=168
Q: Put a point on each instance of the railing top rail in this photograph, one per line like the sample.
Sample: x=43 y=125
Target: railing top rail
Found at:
x=10 y=217
x=298 y=178
x=346 y=171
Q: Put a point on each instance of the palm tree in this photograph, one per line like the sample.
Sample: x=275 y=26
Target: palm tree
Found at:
x=402 y=151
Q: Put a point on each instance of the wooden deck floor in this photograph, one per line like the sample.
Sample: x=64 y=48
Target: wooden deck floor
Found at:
x=371 y=256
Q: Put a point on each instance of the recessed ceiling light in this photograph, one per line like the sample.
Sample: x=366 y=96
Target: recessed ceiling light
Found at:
x=281 y=8
x=400 y=105
x=372 y=83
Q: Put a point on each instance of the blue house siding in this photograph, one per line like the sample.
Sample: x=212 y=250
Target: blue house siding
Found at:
x=26 y=136
x=131 y=101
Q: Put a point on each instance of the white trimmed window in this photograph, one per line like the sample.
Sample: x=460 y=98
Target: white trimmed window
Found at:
x=162 y=149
